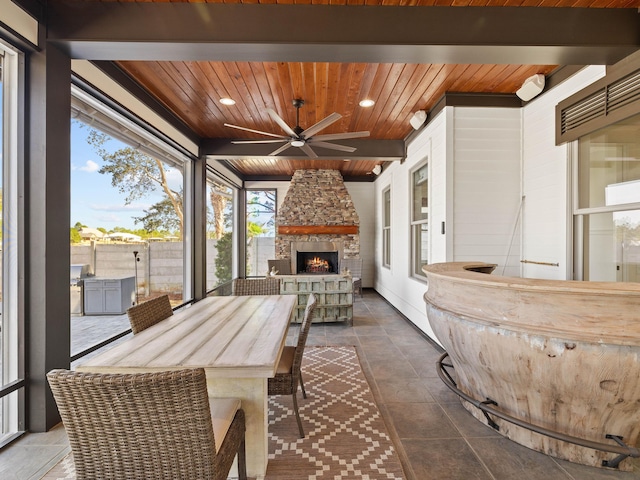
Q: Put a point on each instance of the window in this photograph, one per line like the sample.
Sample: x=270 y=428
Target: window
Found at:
x=130 y=222
x=220 y=221
x=386 y=228
x=261 y=234
x=419 y=219
x=607 y=217
x=12 y=406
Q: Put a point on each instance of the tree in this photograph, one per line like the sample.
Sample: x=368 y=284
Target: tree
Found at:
x=219 y=200
x=160 y=216
x=74 y=235
x=224 y=258
x=136 y=175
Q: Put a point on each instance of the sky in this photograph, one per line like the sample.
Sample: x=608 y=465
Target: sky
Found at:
x=94 y=202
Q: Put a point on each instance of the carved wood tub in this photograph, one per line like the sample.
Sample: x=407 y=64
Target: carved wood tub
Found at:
x=560 y=355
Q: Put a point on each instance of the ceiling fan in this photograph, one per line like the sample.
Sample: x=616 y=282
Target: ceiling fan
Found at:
x=304 y=139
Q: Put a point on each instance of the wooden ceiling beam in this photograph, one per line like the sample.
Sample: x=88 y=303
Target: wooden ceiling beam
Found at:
x=342 y=33
x=367 y=149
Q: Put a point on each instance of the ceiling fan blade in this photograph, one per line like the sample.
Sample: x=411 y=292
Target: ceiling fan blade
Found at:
x=334 y=146
x=240 y=142
x=324 y=123
x=339 y=136
x=309 y=151
x=256 y=131
x=280 y=150
x=283 y=125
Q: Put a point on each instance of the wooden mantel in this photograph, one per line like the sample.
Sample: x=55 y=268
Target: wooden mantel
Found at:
x=317 y=229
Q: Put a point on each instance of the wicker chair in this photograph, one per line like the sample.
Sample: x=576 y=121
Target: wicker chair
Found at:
x=288 y=373
x=282 y=266
x=159 y=425
x=355 y=267
x=256 y=286
x=149 y=313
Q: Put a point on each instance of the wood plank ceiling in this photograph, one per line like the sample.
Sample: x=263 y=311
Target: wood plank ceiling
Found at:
x=192 y=90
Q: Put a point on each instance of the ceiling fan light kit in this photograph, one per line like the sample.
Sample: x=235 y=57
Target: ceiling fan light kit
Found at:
x=301 y=138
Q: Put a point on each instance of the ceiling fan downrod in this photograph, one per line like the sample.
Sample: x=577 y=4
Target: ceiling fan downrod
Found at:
x=298 y=142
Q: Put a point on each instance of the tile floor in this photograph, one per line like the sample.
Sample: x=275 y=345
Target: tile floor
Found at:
x=437 y=439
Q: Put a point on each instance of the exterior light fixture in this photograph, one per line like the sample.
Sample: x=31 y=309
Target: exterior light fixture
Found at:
x=377 y=170
x=367 y=102
x=227 y=101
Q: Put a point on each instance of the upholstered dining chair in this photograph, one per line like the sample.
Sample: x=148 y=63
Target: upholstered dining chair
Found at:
x=159 y=425
x=283 y=267
x=256 y=286
x=288 y=373
x=148 y=313
x=355 y=267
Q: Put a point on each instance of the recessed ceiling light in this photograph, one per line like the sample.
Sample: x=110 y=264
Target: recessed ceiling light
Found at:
x=367 y=102
x=227 y=101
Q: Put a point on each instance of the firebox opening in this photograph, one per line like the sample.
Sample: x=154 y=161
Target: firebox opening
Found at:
x=317 y=262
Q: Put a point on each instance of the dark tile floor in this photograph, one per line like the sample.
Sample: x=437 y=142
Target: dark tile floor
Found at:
x=436 y=437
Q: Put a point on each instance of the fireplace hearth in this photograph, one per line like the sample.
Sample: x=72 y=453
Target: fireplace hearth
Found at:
x=316 y=257
x=317 y=262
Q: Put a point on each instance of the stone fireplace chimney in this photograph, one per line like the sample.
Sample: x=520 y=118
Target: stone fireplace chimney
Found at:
x=318 y=209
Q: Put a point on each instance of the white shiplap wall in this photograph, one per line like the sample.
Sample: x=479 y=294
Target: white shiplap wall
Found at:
x=547 y=206
x=486 y=187
x=362 y=194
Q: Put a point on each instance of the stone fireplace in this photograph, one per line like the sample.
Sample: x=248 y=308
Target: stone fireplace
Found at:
x=317 y=215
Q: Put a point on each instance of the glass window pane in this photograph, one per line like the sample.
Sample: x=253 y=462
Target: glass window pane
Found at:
x=387 y=207
x=420 y=194
x=420 y=248
x=612 y=247
x=609 y=165
x=126 y=233
x=261 y=234
x=219 y=234
x=12 y=406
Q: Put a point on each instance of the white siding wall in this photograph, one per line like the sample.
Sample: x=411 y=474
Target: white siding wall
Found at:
x=395 y=284
x=362 y=194
x=486 y=187
x=547 y=209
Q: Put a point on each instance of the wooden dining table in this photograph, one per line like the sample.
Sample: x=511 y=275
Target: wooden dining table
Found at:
x=238 y=340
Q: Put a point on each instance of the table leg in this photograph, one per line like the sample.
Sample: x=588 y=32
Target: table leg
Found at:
x=253 y=394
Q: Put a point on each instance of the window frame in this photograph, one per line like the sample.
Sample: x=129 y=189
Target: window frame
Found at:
x=386 y=227
x=12 y=392
x=417 y=225
x=584 y=213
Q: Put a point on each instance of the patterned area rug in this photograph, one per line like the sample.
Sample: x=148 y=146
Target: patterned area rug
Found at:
x=345 y=436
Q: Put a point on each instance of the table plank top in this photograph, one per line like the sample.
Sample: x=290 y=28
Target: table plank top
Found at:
x=235 y=336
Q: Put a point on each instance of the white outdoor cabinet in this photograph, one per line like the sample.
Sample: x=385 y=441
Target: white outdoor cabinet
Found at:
x=104 y=296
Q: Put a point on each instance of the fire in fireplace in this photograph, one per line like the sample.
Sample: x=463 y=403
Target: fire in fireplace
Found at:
x=317 y=262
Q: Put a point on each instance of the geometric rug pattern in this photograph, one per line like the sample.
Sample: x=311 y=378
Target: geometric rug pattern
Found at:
x=345 y=435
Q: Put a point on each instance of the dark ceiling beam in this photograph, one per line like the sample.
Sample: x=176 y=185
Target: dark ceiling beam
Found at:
x=366 y=149
x=342 y=33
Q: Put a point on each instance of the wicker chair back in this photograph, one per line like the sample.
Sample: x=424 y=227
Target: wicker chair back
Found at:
x=149 y=313
x=256 y=286
x=144 y=425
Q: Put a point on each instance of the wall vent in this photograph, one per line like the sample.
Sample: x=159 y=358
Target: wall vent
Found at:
x=603 y=103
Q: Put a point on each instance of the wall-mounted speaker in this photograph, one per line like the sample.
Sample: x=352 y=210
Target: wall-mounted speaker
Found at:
x=418 y=119
x=531 y=87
